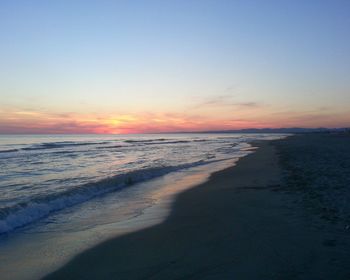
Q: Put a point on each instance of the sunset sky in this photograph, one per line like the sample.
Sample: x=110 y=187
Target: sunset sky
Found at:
x=152 y=66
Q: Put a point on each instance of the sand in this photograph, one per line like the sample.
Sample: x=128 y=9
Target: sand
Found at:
x=237 y=225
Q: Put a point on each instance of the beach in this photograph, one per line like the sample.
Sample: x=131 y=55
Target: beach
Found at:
x=243 y=223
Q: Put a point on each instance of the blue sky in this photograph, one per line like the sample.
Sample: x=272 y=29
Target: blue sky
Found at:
x=100 y=60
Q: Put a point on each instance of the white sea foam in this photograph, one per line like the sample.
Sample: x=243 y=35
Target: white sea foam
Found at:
x=28 y=212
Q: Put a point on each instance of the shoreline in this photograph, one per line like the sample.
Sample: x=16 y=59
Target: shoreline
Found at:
x=197 y=219
x=110 y=220
x=50 y=244
x=235 y=225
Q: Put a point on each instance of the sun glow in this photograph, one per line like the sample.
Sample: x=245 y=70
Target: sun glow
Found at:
x=44 y=122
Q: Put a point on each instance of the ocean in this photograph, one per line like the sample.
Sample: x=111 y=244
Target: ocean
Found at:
x=77 y=190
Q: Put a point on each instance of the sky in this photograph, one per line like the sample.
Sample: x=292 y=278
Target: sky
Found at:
x=73 y=66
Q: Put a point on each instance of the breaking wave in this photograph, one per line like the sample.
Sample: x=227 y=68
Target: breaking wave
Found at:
x=24 y=213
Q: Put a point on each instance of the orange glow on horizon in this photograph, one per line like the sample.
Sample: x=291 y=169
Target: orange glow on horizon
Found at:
x=40 y=122
x=33 y=122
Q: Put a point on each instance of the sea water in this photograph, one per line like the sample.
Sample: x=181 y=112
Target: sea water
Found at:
x=60 y=194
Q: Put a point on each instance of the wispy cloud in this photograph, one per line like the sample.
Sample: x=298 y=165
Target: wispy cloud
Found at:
x=248 y=104
x=245 y=115
x=227 y=100
x=41 y=122
x=216 y=100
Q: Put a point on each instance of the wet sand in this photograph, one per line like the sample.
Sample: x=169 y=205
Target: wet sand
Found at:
x=237 y=225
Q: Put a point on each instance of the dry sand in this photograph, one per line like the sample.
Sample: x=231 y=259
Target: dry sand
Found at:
x=235 y=226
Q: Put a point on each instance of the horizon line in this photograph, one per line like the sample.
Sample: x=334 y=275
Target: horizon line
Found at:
x=244 y=130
